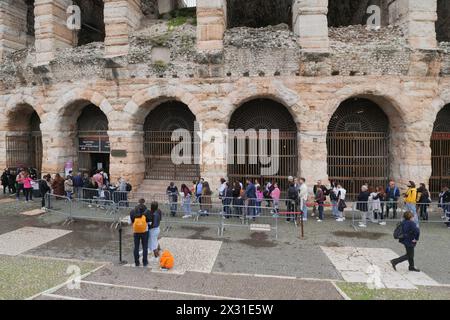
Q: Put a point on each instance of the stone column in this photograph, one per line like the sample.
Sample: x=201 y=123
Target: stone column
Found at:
x=211 y=24
x=3 y=147
x=213 y=165
x=132 y=165
x=311 y=24
x=58 y=148
x=51 y=31
x=13 y=23
x=313 y=152
x=418 y=19
x=121 y=18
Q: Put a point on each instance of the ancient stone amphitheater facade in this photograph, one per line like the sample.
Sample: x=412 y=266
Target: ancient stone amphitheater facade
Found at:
x=345 y=89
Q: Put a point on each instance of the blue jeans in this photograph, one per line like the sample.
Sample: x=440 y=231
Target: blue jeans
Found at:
x=138 y=239
x=334 y=209
x=251 y=207
x=305 y=210
x=412 y=207
x=187 y=205
x=320 y=205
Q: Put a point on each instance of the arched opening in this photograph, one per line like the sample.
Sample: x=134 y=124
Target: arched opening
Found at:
x=358 y=145
x=443 y=21
x=92 y=21
x=24 y=140
x=92 y=140
x=159 y=126
x=440 y=152
x=265 y=114
x=30 y=17
x=343 y=13
x=258 y=13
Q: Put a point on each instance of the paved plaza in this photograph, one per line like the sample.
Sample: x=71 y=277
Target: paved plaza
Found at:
x=333 y=261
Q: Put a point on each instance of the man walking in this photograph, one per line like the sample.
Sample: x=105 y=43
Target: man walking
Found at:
x=78 y=185
x=250 y=195
x=140 y=217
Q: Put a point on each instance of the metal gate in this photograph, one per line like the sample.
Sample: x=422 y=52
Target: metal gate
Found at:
x=358 y=146
x=269 y=115
x=158 y=146
x=24 y=150
x=440 y=148
x=287 y=157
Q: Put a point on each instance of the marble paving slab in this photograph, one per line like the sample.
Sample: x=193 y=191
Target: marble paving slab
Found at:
x=372 y=266
x=21 y=240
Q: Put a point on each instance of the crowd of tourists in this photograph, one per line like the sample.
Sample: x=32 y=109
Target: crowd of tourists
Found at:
x=239 y=199
x=80 y=186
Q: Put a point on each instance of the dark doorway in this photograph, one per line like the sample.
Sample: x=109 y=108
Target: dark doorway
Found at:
x=92 y=21
x=92 y=140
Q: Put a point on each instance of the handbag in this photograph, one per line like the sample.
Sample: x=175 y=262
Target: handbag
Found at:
x=342 y=205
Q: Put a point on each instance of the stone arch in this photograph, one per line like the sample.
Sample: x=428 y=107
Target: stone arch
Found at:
x=144 y=101
x=386 y=100
x=70 y=105
x=18 y=103
x=276 y=91
x=382 y=160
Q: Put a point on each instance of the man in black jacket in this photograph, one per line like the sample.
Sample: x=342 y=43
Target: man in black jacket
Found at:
x=142 y=236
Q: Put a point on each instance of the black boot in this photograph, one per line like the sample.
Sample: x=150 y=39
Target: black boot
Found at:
x=413 y=269
x=394 y=265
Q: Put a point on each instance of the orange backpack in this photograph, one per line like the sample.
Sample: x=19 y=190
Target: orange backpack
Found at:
x=140 y=225
x=167 y=261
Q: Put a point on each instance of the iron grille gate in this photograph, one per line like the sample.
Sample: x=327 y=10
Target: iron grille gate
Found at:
x=24 y=151
x=357 y=158
x=288 y=165
x=440 y=146
x=158 y=146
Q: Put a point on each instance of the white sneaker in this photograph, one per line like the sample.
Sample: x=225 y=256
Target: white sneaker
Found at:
x=340 y=220
x=318 y=220
x=363 y=226
x=382 y=223
x=187 y=216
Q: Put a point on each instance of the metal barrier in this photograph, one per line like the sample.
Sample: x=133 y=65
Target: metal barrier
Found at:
x=425 y=213
x=95 y=209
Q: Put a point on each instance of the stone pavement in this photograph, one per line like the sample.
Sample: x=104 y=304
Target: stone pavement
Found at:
x=372 y=265
x=239 y=257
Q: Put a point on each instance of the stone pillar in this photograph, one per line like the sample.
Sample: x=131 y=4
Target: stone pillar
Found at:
x=58 y=148
x=121 y=18
x=3 y=147
x=213 y=165
x=211 y=24
x=418 y=19
x=13 y=24
x=165 y=6
x=313 y=154
x=132 y=166
x=51 y=31
x=311 y=24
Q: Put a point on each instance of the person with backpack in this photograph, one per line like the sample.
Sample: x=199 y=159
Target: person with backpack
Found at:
x=228 y=198
x=408 y=234
x=392 y=196
x=291 y=202
x=19 y=184
x=172 y=193
x=78 y=185
x=140 y=218
x=341 y=203
x=444 y=203
x=320 y=200
x=362 y=205
x=334 y=199
x=423 y=201
x=411 y=200
x=44 y=188
x=155 y=221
